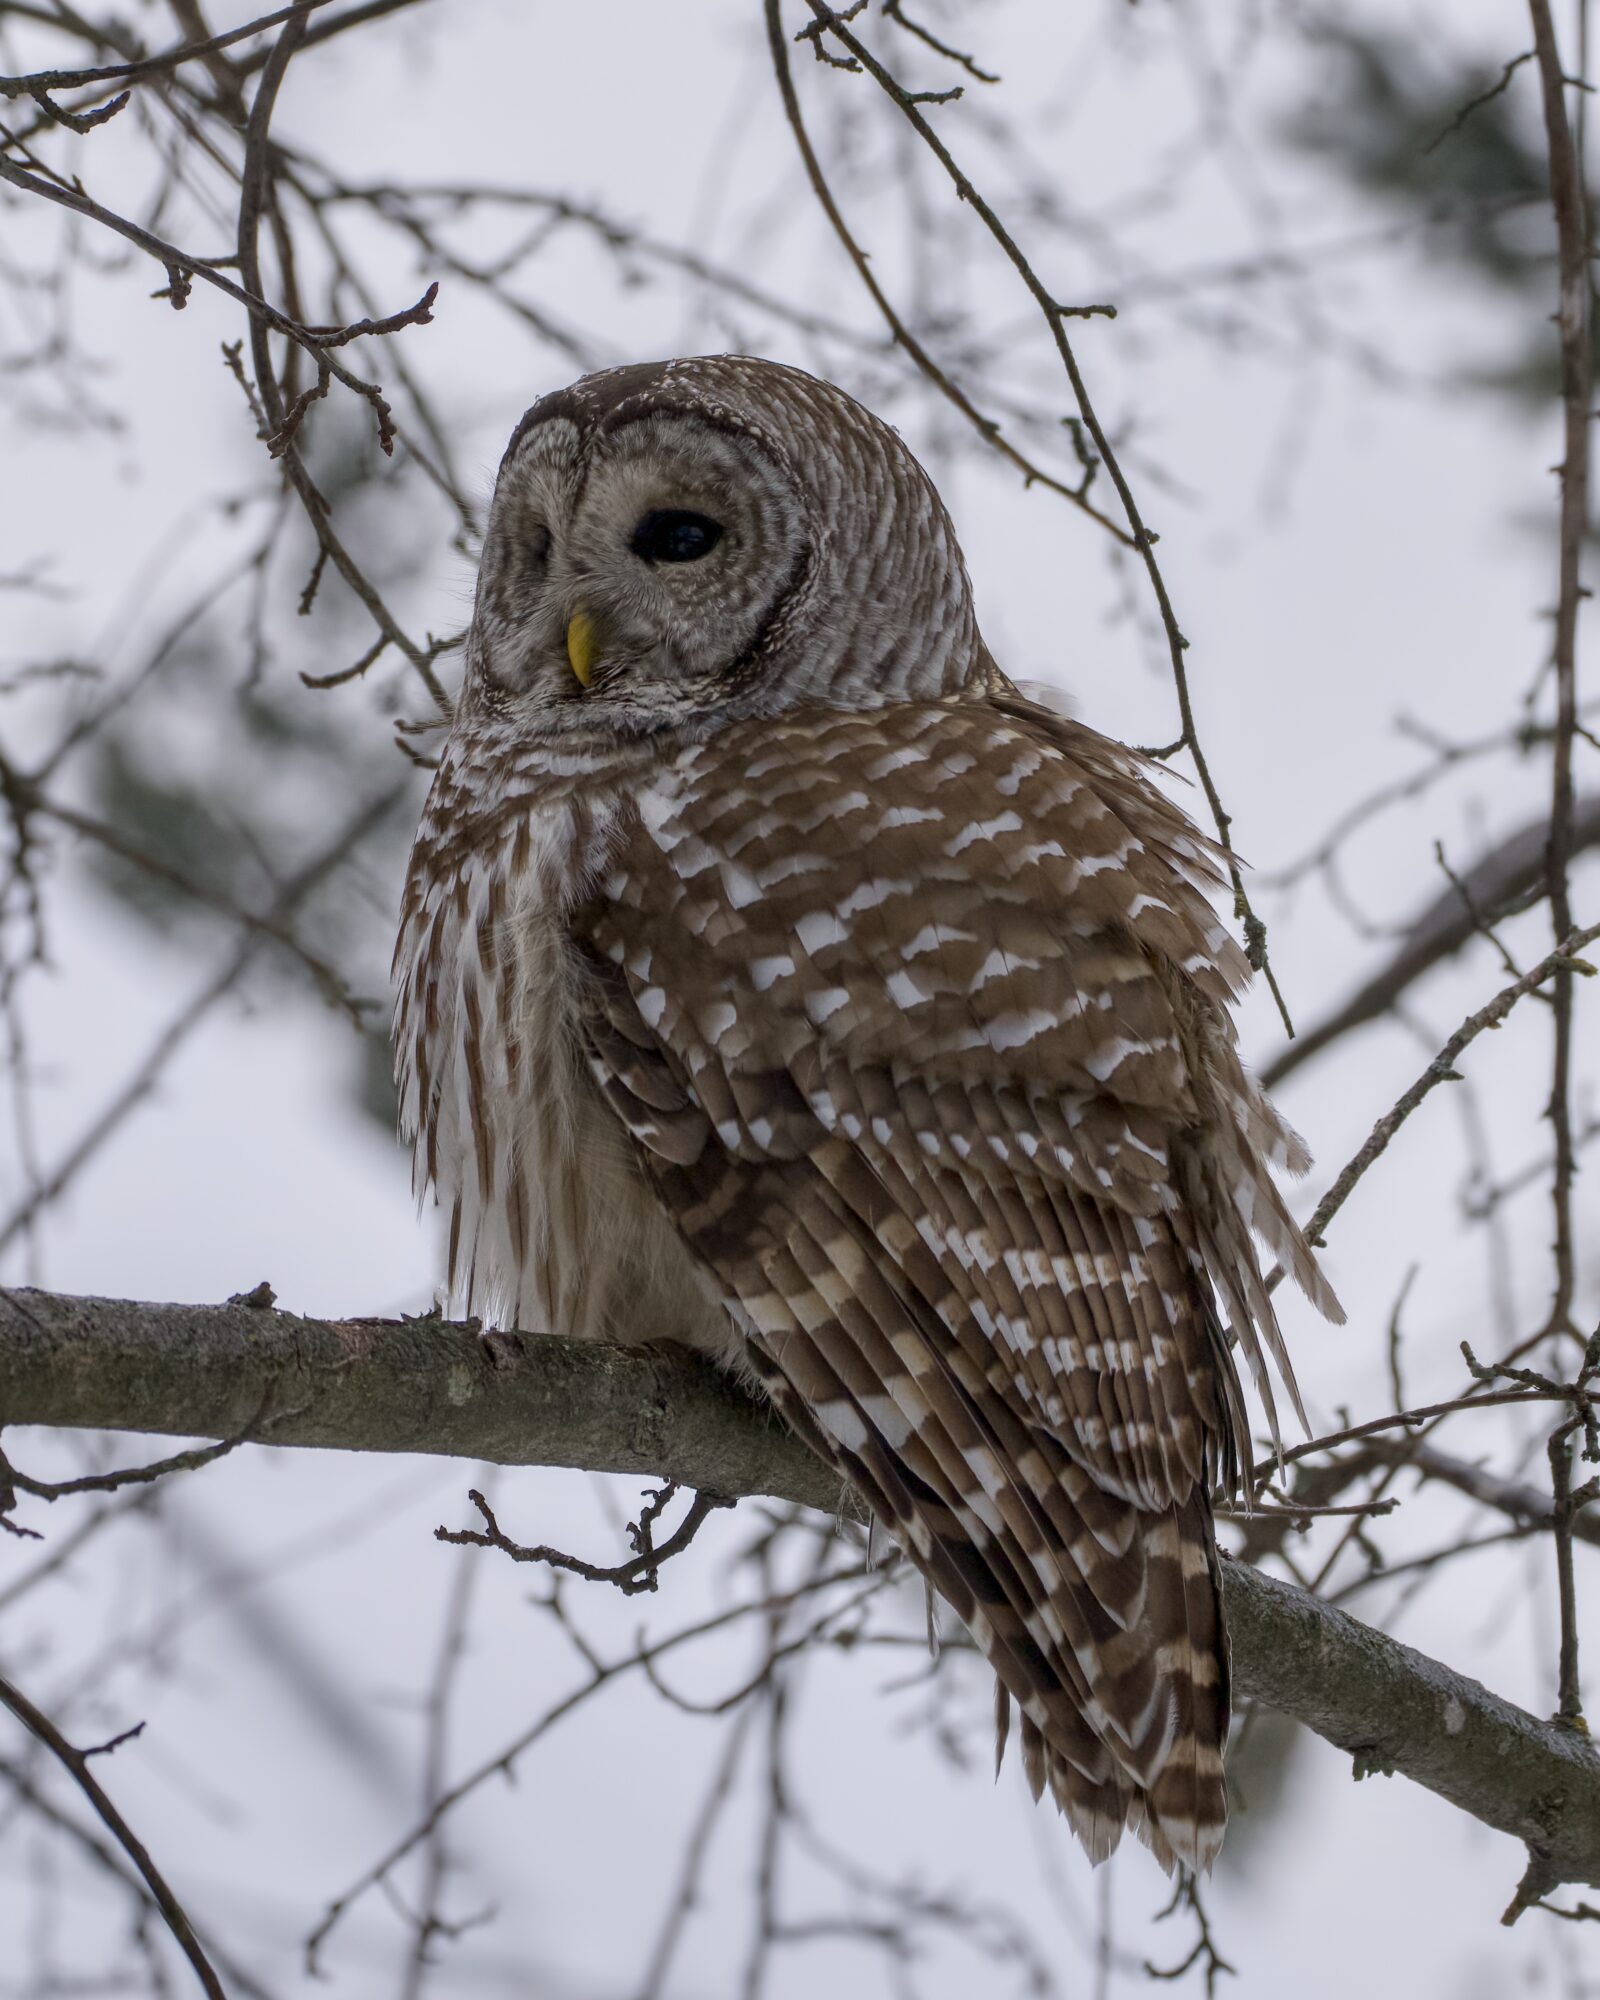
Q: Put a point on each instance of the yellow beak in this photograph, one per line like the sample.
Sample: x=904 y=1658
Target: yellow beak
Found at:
x=582 y=645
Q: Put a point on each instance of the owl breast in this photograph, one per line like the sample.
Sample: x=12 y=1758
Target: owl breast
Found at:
x=551 y=1224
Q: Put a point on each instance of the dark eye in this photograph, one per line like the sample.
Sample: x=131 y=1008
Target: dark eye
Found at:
x=672 y=535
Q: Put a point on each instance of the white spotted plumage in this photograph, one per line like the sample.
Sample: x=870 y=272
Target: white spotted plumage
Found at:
x=800 y=990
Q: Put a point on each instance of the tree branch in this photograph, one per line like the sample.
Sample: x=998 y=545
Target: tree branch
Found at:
x=77 y=1763
x=418 y=1385
x=1501 y=883
x=1528 y=1505
x=1559 y=964
x=426 y=1385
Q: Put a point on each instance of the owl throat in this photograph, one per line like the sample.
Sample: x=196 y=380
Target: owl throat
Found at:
x=551 y=1225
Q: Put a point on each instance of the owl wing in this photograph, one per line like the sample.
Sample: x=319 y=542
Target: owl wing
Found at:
x=918 y=1020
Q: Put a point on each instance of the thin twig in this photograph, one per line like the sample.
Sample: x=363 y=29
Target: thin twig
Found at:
x=641 y=1572
x=174 y=1036
x=1442 y=1070
x=1496 y=89
x=1569 y=1706
x=139 y=72
x=77 y=1765
x=1568 y=197
x=986 y=427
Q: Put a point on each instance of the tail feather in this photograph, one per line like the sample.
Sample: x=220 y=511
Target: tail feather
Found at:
x=1096 y=1609
x=1175 y=1797
x=1117 y=1662
x=1097 y=1808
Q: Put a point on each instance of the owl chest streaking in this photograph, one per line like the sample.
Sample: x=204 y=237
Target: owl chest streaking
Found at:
x=774 y=977
x=551 y=1223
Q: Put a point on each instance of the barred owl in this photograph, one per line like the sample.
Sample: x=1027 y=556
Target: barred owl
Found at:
x=774 y=977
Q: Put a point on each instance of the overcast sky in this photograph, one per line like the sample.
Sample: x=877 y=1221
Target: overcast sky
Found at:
x=1339 y=550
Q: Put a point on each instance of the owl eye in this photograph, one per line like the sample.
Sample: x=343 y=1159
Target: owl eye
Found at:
x=673 y=535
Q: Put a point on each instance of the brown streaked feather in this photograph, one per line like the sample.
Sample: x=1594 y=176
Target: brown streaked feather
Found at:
x=1038 y=993
x=1071 y=1593
x=803 y=992
x=956 y=1121
x=916 y=1022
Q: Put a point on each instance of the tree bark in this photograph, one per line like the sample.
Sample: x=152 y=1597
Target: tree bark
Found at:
x=430 y=1386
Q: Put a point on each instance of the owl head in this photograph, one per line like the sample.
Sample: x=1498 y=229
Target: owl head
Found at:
x=691 y=541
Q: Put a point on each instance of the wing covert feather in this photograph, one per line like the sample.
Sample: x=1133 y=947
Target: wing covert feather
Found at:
x=918 y=1018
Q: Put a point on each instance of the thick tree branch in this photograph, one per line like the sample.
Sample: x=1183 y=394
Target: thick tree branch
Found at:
x=425 y=1385
x=421 y=1385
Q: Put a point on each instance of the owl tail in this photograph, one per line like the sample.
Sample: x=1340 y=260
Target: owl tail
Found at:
x=1102 y=1620
x=1108 y=1634
x=1171 y=1791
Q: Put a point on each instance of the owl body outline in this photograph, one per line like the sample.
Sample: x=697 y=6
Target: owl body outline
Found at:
x=790 y=985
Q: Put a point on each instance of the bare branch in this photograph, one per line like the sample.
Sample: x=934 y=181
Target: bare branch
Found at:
x=1570 y=201
x=426 y=1385
x=1495 y=886
x=173 y=1037
x=640 y=1572
x=1524 y=1504
x=137 y=72
x=1496 y=89
x=951 y=390
x=1561 y=963
x=77 y=1763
